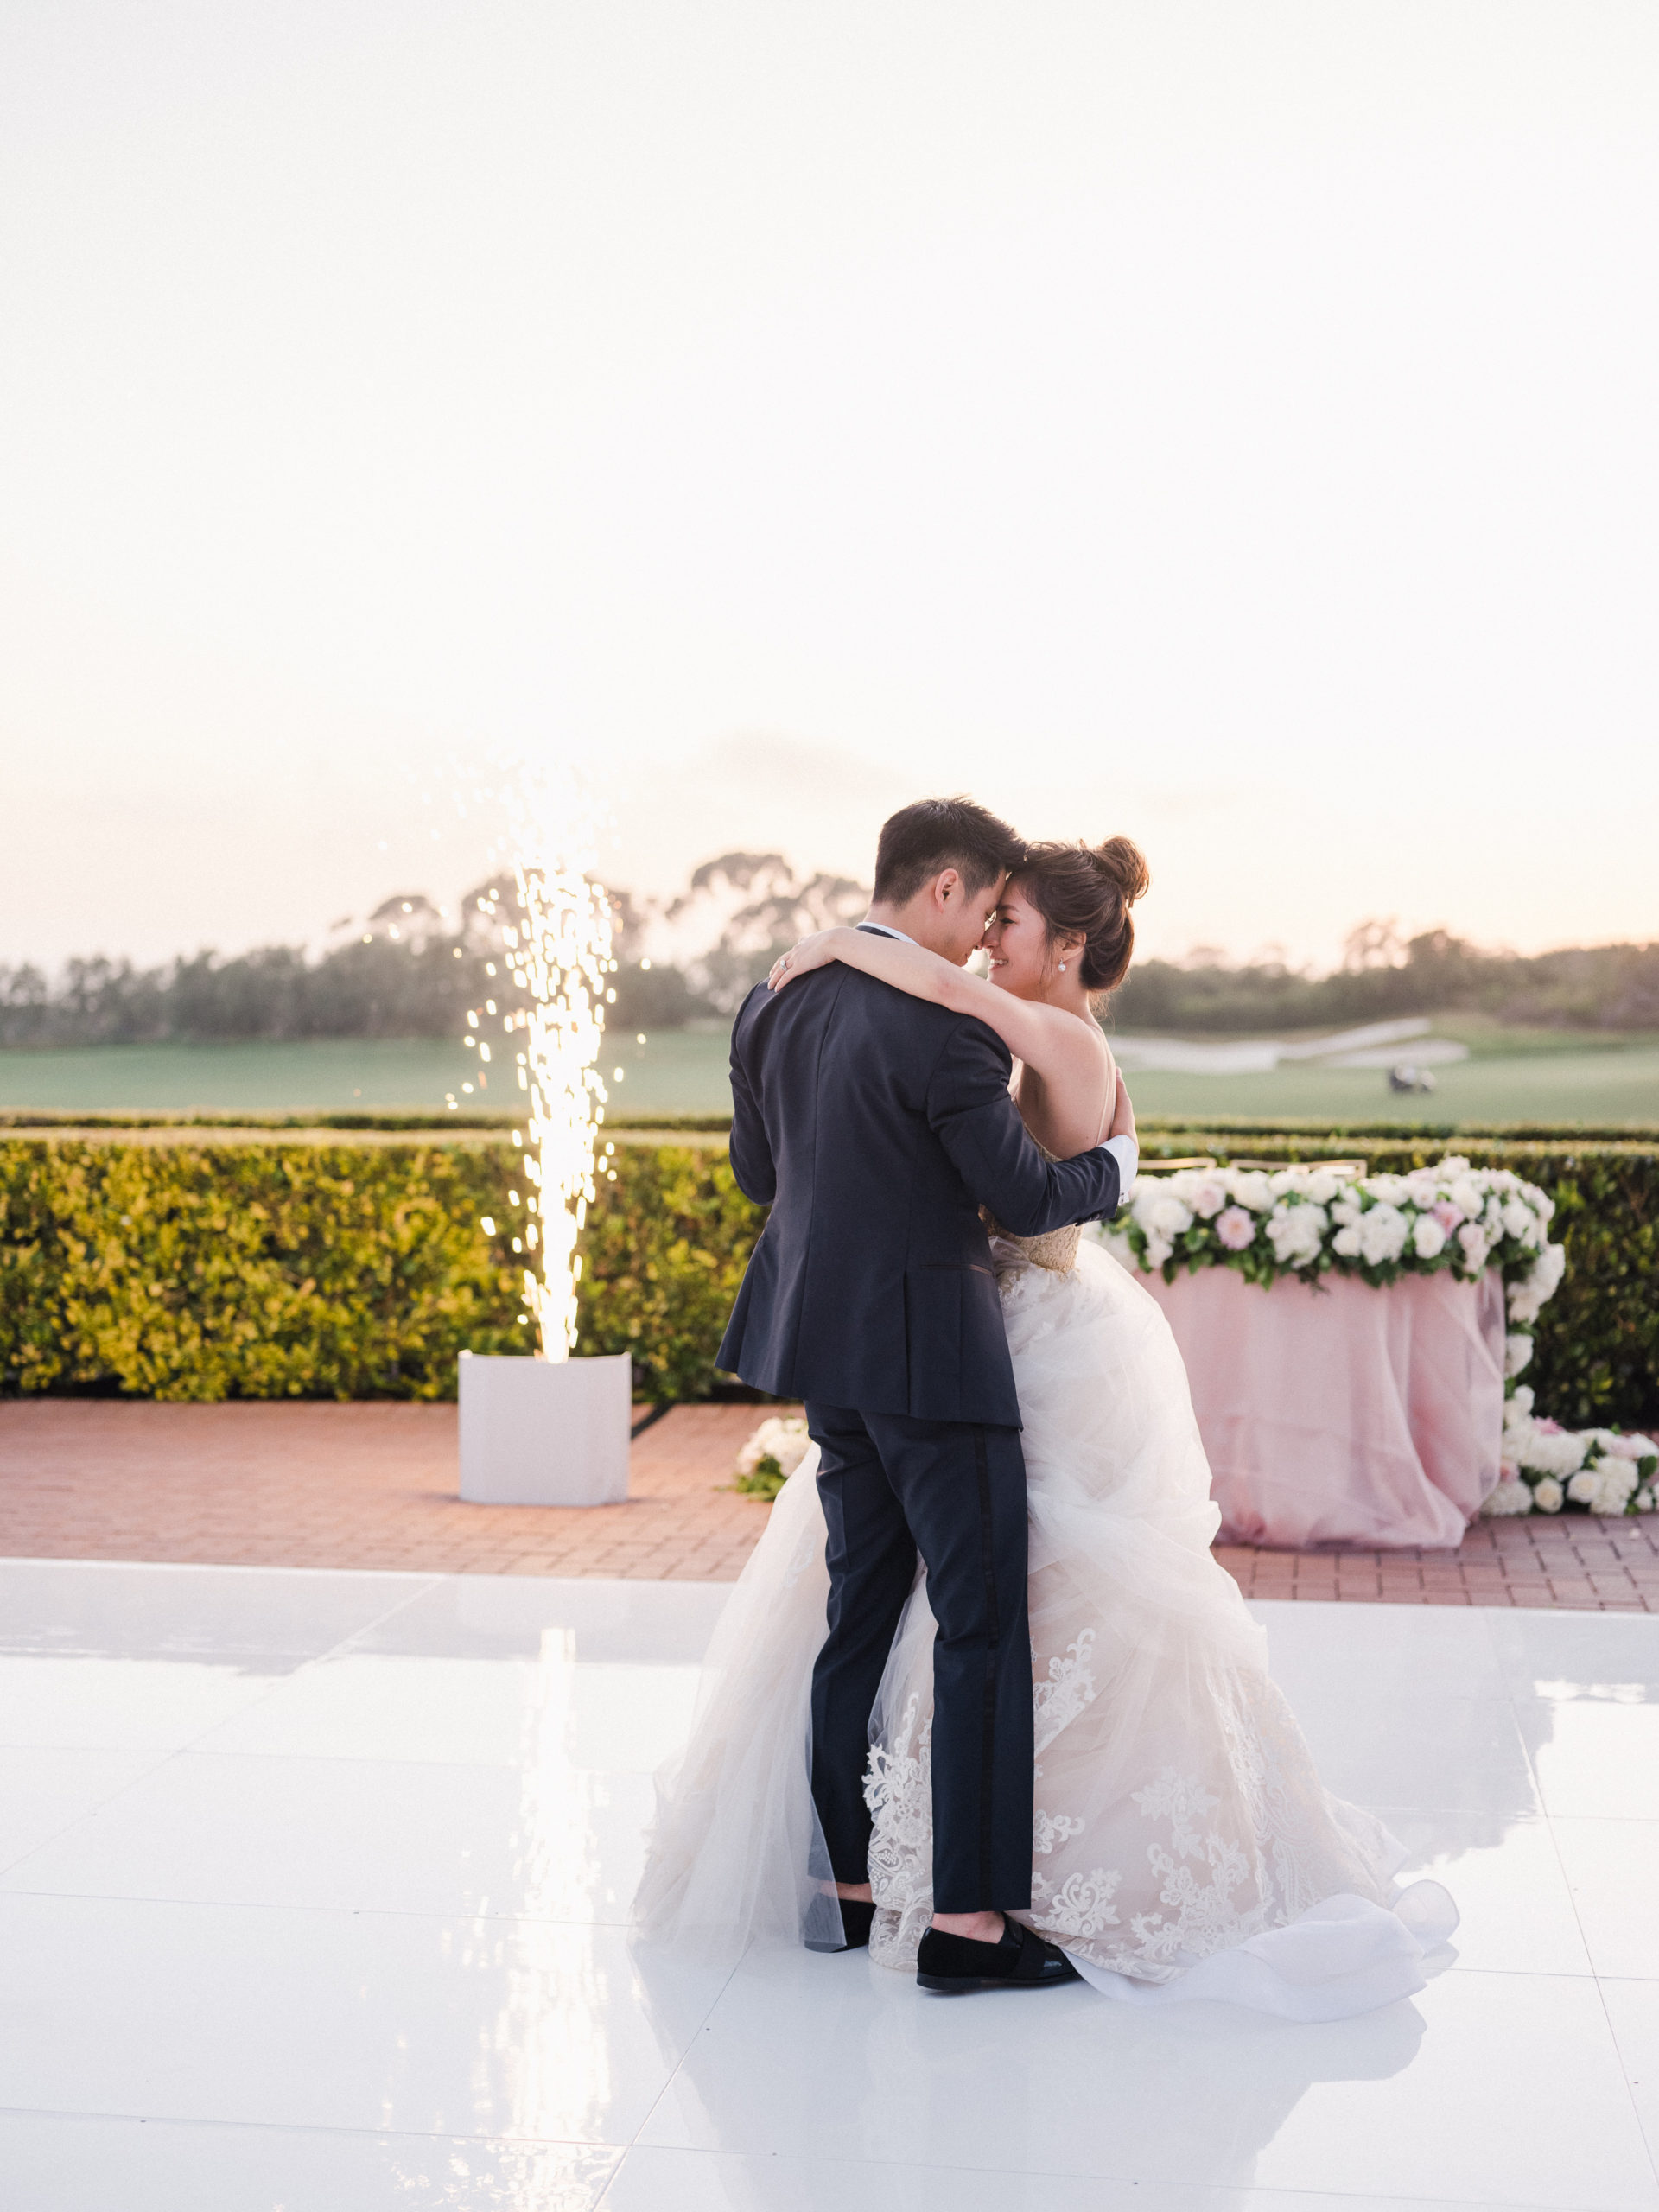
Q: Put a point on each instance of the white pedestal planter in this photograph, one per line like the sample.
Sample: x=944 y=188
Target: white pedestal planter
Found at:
x=537 y=1432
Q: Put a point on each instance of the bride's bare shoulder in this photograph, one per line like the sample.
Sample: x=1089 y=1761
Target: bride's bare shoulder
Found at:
x=1060 y=1088
x=1078 y=1035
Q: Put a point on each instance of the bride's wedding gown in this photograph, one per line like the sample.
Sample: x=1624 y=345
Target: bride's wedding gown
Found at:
x=1183 y=1844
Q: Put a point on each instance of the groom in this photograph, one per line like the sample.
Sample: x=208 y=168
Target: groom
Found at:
x=873 y=1124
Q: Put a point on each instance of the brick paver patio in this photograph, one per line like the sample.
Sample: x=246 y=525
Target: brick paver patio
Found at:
x=374 y=1486
x=352 y=1485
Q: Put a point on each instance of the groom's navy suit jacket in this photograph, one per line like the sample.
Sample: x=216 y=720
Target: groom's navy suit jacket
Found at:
x=873 y=1124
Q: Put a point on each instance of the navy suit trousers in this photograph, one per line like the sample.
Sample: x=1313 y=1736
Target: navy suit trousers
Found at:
x=954 y=1492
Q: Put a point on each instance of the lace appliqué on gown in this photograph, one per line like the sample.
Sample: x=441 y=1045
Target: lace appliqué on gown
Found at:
x=1069 y=1687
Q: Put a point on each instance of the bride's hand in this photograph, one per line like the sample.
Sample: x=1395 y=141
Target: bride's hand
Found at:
x=815 y=951
x=1122 y=1108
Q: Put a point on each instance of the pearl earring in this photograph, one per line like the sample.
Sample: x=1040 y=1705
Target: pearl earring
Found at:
x=1062 y=967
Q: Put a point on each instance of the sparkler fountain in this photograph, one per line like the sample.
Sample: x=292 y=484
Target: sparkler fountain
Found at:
x=551 y=1430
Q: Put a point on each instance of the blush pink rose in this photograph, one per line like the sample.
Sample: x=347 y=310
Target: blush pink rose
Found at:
x=1236 y=1229
x=1448 y=1215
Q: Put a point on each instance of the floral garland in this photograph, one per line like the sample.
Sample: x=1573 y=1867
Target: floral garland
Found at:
x=1313 y=1220
x=1309 y=1220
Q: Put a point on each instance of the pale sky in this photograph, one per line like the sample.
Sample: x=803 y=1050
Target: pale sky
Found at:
x=1230 y=423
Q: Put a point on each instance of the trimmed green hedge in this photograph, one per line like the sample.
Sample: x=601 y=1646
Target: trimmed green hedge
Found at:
x=191 y=1269
x=171 y=1265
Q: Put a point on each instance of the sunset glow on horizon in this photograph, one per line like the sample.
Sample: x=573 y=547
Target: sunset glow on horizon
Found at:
x=1230 y=425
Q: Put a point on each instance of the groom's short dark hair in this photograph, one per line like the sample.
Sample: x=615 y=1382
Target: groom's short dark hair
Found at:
x=919 y=842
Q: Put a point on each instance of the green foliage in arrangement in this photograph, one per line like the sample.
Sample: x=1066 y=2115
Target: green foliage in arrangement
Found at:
x=765 y=1479
x=191 y=1269
x=171 y=1264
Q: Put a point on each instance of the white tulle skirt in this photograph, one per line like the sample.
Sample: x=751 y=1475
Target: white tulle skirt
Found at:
x=1183 y=1843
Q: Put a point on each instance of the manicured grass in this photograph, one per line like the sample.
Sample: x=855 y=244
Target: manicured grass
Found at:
x=678 y=1071
x=1594 y=1087
x=1513 y=1077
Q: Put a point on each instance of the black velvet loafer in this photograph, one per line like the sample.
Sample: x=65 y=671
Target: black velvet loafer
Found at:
x=857 y=1918
x=951 y=1966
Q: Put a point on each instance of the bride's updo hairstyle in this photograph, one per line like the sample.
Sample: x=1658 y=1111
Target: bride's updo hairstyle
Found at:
x=1087 y=891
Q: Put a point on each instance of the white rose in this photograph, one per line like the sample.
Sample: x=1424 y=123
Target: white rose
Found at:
x=1517 y=1350
x=1207 y=1198
x=1644 y=1499
x=1346 y=1242
x=1522 y=1399
x=1427 y=1237
x=1388 y=1190
x=1168 y=1218
x=783 y=1438
x=1547 y=1452
x=1296 y=1233
x=1322 y=1185
x=1547 y=1269
x=1547 y=1495
x=1157 y=1253
x=1467 y=1193
x=1492 y=1216
x=1382 y=1234
x=1539 y=1283
x=1471 y=1242
x=1584 y=1487
x=1615 y=1481
x=1250 y=1188
x=1510 y=1496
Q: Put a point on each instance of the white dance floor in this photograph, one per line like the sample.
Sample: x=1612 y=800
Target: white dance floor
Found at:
x=312 y=1900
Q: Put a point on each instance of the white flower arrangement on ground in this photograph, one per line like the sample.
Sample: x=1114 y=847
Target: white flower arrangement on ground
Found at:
x=1547 y=1467
x=1311 y=1220
x=770 y=1456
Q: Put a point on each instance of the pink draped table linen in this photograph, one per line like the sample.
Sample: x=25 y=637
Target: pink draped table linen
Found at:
x=1339 y=1414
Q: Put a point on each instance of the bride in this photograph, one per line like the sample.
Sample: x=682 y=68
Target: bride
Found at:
x=1183 y=1844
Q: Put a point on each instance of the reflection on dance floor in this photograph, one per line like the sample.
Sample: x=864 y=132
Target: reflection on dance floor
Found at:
x=313 y=1888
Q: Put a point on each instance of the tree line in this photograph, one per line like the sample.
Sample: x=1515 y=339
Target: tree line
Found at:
x=409 y=972
x=1609 y=987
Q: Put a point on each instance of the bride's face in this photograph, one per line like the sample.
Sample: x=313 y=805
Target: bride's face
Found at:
x=1017 y=940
